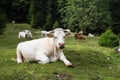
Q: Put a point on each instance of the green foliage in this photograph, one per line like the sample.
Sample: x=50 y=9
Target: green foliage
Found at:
x=56 y=25
x=41 y=12
x=51 y=14
x=83 y=15
x=86 y=14
x=49 y=23
x=109 y=39
x=3 y=19
x=115 y=13
x=17 y=10
x=37 y=13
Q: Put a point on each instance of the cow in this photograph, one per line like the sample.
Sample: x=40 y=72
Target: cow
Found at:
x=44 y=50
x=29 y=34
x=22 y=34
x=117 y=50
x=44 y=33
x=79 y=36
x=25 y=34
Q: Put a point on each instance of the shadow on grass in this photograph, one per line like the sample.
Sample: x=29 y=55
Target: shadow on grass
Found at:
x=94 y=64
x=89 y=57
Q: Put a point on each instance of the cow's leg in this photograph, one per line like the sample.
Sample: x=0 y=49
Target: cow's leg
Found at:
x=63 y=58
x=19 y=57
x=42 y=58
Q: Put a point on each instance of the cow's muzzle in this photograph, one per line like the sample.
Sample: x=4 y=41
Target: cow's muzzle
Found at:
x=61 y=45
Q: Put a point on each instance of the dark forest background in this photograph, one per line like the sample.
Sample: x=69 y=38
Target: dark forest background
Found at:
x=93 y=16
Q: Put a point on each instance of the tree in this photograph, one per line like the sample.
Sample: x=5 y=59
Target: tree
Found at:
x=3 y=16
x=49 y=25
x=3 y=19
x=52 y=14
x=115 y=14
x=37 y=13
x=85 y=14
x=15 y=9
x=19 y=10
x=56 y=25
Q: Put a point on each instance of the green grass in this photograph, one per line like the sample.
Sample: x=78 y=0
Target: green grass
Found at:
x=89 y=60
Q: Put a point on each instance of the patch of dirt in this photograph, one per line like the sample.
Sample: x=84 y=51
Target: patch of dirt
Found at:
x=59 y=76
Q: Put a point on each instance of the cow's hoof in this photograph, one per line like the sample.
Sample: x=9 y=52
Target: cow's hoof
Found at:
x=69 y=65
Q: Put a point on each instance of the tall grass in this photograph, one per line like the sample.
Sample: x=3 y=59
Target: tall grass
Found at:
x=89 y=59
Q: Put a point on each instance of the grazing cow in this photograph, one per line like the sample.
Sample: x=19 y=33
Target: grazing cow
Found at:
x=44 y=50
x=79 y=36
x=25 y=34
x=44 y=33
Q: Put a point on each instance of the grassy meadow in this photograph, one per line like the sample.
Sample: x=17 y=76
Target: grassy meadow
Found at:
x=91 y=62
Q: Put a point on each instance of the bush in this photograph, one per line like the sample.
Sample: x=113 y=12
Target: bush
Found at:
x=2 y=22
x=109 y=39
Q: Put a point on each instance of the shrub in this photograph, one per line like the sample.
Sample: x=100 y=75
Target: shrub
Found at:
x=109 y=39
x=2 y=22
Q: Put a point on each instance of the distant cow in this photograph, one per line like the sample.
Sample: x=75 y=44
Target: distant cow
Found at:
x=44 y=50
x=79 y=36
x=90 y=35
x=117 y=50
x=44 y=33
x=25 y=34
x=29 y=34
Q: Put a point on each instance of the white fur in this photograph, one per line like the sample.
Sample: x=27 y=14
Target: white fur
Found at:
x=21 y=34
x=90 y=35
x=43 y=50
x=29 y=34
x=25 y=34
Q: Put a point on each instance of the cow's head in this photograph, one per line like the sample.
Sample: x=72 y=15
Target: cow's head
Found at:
x=59 y=36
x=27 y=31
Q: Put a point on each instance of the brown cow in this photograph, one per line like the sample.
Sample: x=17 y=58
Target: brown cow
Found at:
x=79 y=36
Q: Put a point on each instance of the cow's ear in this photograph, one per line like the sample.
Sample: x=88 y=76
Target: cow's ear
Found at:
x=67 y=32
x=50 y=33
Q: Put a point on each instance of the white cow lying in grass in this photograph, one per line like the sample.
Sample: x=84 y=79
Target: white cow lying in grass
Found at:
x=44 y=33
x=90 y=35
x=25 y=34
x=44 y=50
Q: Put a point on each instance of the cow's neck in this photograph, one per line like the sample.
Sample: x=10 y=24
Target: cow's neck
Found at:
x=56 y=52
